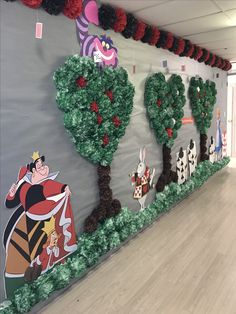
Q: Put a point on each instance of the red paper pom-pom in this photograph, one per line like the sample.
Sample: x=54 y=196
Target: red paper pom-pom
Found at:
x=94 y=107
x=169 y=132
x=34 y=4
x=181 y=45
x=121 y=20
x=99 y=119
x=213 y=60
x=140 y=30
x=207 y=56
x=155 y=36
x=191 y=50
x=199 y=53
x=105 y=139
x=73 y=8
x=169 y=40
x=116 y=121
x=158 y=102
x=81 y=82
x=109 y=94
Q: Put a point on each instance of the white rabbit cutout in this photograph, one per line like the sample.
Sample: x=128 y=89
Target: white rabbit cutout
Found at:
x=142 y=179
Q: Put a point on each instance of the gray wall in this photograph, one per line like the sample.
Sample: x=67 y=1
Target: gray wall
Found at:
x=30 y=119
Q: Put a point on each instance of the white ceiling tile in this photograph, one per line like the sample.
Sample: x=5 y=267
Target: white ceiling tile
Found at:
x=226 y=4
x=176 y=11
x=203 y=24
x=220 y=44
x=222 y=34
x=133 y=5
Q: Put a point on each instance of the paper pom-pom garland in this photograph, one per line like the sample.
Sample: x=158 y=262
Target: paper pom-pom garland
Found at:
x=97 y=104
x=71 y=8
x=110 y=236
x=164 y=102
x=202 y=99
x=151 y=35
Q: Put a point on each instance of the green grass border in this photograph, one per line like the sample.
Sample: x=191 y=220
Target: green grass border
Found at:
x=110 y=235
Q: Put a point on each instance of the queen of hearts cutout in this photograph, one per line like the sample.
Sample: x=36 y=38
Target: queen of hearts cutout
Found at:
x=42 y=222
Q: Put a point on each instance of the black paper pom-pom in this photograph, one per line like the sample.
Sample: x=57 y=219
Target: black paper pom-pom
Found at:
x=103 y=171
x=53 y=7
x=131 y=25
x=204 y=54
x=186 y=48
x=195 y=52
x=210 y=59
x=175 y=45
x=90 y=224
x=147 y=35
x=107 y=16
x=162 y=39
x=100 y=213
x=114 y=209
x=161 y=183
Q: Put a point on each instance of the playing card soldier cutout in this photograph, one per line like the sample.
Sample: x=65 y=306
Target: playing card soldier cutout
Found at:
x=142 y=179
x=212 y=150
x=43 y=221
x=181 y=166
x=192 y=157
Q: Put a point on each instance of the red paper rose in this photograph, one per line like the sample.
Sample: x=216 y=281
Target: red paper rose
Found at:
x=105 y=139
x=81 y=82
x=99 y=119
x=94 y=107
x=169 y=132
x=116 y=121
x=158 y=102
x=73 y=8
x=109 y=94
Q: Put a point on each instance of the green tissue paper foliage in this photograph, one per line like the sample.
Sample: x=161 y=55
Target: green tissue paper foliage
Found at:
x=81 y=122
x=164 y=101
x=202 y=100
x=108 y=236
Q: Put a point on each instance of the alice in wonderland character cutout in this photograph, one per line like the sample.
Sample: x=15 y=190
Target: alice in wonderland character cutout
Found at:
x=101 y=48
x=218 y=142
x=192 y=157
x=212 y=150
x=181 y=166
x=41 y=201
x=142 y=179
x=224 y=143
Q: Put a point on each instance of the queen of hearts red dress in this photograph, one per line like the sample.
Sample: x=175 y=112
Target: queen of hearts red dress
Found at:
x=24 y=238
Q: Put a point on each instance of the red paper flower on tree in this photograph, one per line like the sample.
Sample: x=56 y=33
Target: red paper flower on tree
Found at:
x=169 y=132
x=109 y=94
x=158 y=102
x=81 y=82
x=116 y=121
x=99 y=119
x=94 y=107
x=105 y=140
